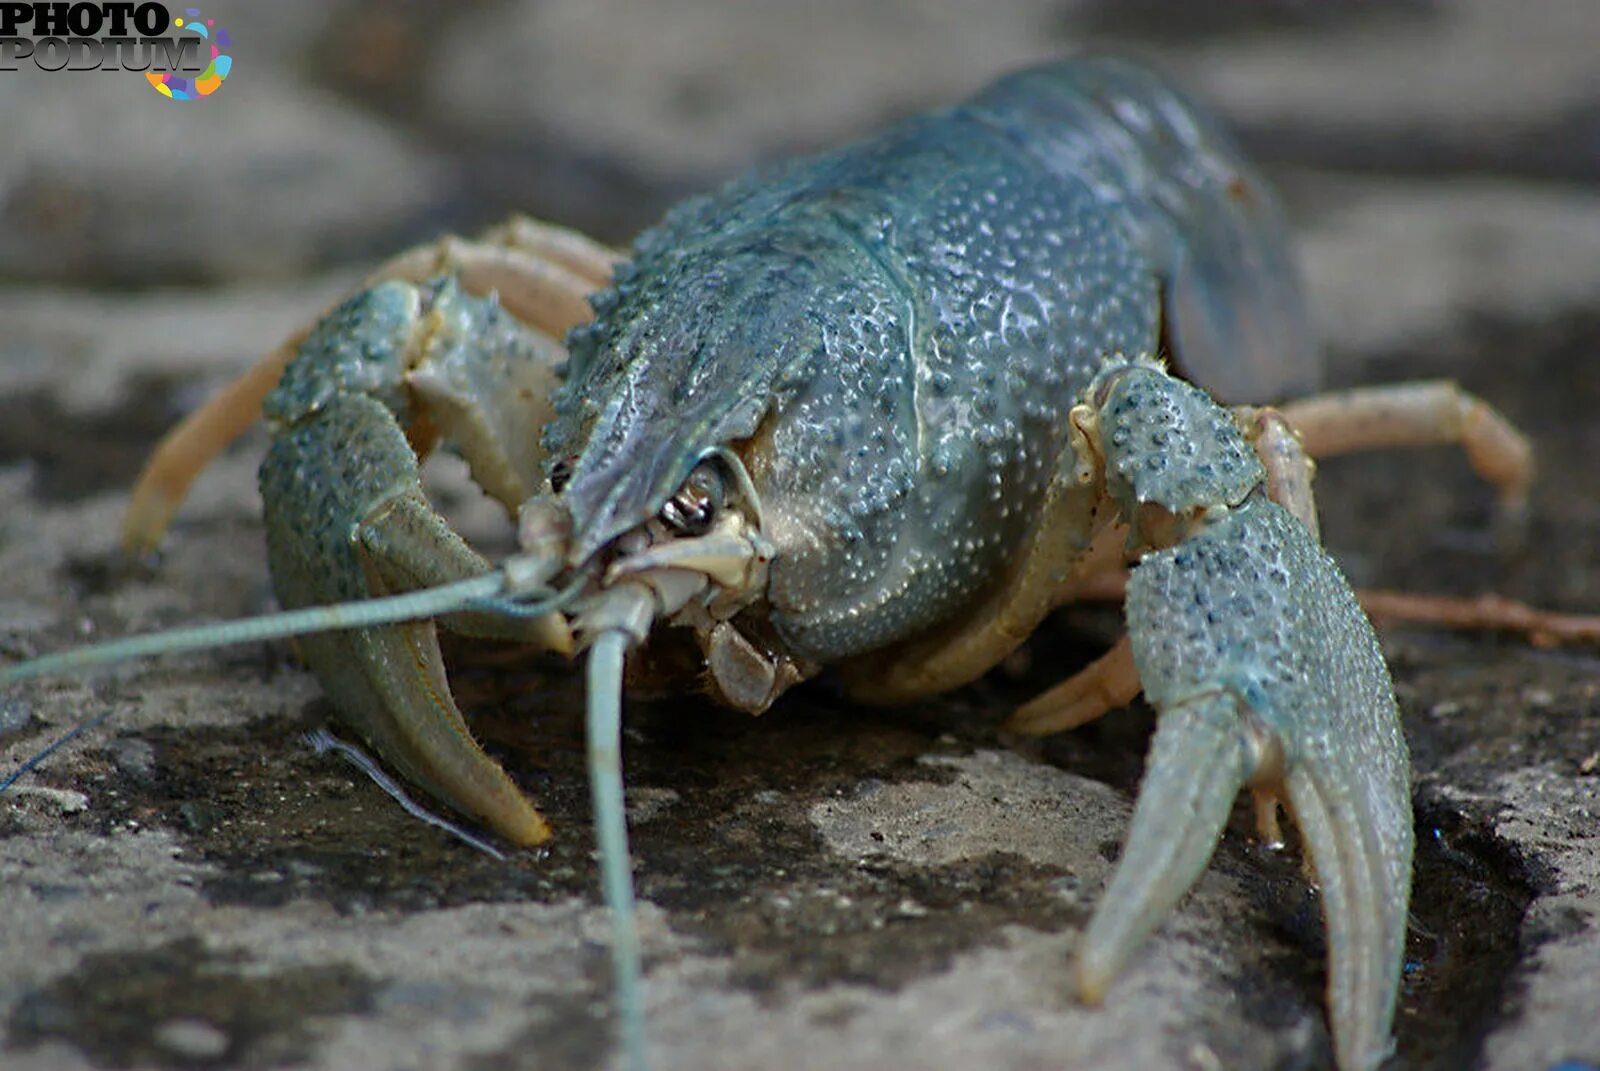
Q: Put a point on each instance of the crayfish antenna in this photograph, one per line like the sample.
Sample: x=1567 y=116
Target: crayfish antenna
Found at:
x=487 y=593
x=320 y=741
x=495 y=593
x=611 y=833
x=410 y=606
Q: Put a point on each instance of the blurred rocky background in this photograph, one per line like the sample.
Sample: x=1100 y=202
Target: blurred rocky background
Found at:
x=191 y=887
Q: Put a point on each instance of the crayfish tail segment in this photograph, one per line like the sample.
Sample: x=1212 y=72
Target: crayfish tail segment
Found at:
x=1198 y=762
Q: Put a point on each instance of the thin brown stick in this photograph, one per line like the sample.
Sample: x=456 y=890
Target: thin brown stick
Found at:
x=1481 y=613
x=1542 y=628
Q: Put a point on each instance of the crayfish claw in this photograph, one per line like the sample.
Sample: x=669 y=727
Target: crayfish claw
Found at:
x=1198 y=762
x=388 y=681
x=346 y=520
x=1265 y=674
x=1359 y=862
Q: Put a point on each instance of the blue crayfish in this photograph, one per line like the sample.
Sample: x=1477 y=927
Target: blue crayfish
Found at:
x=879 y=410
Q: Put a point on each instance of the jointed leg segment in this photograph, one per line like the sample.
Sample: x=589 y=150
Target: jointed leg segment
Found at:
x=1286 y=439
x=1432 y=413
x=1109 y=682
x=542 y=274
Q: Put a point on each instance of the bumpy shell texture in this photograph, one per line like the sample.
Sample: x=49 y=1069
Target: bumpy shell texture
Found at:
x=896 y=331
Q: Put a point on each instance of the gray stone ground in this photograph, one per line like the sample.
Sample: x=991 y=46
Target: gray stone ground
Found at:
x=191 y=887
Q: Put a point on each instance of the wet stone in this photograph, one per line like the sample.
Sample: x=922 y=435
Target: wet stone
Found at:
x=135 y=759
x=561 y=1032
x=73 y=454
x=180 y=1006
x=15 y=716
x=297 y=824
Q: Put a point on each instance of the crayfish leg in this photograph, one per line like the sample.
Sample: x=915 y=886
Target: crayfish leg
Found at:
x=1109 y=682
x=185 y=451
x=541 y=272
x=1288 y=467
x=1430 y=413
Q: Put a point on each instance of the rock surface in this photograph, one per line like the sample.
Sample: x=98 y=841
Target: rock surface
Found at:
x=190 y=886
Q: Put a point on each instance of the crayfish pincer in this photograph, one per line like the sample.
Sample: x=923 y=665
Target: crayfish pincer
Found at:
x=880 y=410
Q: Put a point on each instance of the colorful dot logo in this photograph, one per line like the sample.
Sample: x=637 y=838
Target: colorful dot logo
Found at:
x=176 y=86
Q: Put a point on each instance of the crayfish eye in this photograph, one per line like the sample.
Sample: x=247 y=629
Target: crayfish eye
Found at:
x=693 y=509
x=561 y=473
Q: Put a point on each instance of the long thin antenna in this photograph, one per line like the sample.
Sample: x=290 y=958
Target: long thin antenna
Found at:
x=487 y=592
x=611 y=831
x=380 y=611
